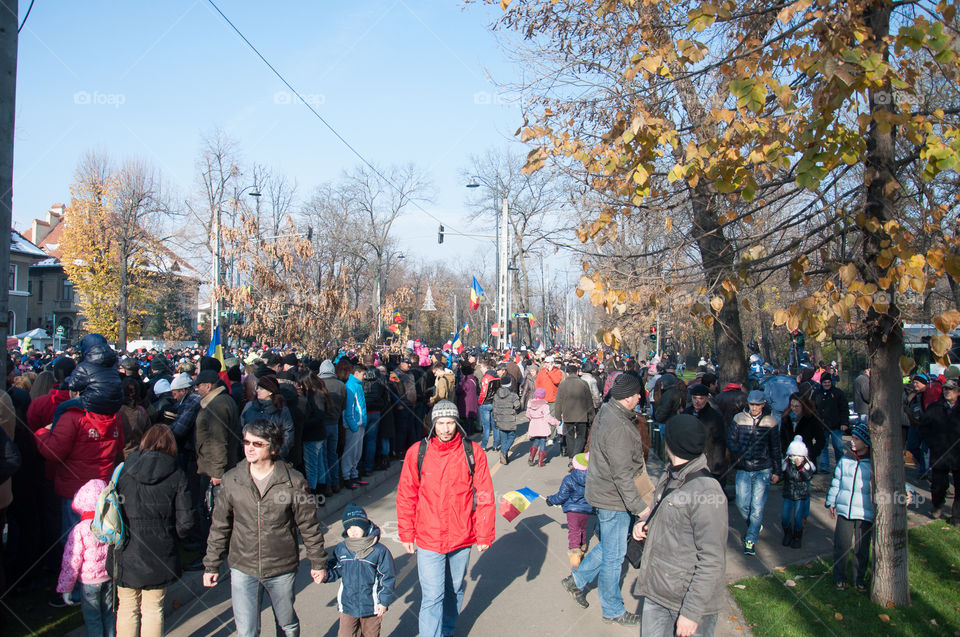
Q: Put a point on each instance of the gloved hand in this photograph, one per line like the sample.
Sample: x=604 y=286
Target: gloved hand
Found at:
x=68 y=599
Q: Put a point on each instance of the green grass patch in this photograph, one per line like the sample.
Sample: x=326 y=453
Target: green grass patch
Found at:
x=29 y=614
x=801 y=600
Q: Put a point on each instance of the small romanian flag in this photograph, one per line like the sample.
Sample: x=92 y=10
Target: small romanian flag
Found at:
x=516 y=502
x=476 y=293
x=396 y=317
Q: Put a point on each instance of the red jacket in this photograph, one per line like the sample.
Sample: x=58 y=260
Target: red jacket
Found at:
x=549 y=379
x=40 y=411
x=436 y=512
x=83 y=446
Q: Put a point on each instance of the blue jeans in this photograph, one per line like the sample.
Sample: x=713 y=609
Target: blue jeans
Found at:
x=506 y=440
x=315 y=461
x=752 y=488
x=659 y=621
x=485 y=413
x=442 y=585
x=247 y=593
x=332 y=474
x=835 y=438
x=96 y=606
x=917 y=448
x=539 y=443
x=370 y=440
x=605 y=559
x=793 y=513
x=352 y=449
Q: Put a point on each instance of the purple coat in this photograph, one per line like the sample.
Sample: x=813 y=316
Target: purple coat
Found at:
x=467 y=394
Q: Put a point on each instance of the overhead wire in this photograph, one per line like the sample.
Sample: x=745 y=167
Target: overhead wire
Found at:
x=329 y=126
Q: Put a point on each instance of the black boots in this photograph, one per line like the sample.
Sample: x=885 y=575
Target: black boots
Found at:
x=796 y=541
x=787 y=535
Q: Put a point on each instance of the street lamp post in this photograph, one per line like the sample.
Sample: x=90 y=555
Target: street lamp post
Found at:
x=217 y=267
x=503 y=258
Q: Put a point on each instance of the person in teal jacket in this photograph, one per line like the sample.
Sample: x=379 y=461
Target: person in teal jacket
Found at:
x=354 y=426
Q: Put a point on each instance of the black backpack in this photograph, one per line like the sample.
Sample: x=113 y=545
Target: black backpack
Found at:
x=467 y=451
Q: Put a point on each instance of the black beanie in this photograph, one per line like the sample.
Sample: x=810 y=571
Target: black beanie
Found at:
x=685 y=436
x=209 y=362
x=625 y=386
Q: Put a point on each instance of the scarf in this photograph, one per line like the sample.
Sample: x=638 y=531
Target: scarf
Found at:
x=361 y=546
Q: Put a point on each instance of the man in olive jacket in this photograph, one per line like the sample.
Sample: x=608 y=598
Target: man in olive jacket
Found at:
x=262 y=505
x=618 y=486
x=574 y=408
x=217 y=444
x=681 y=575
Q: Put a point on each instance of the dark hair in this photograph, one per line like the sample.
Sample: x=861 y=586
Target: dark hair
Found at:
x=42 y=384
x=313 y=387
x=159 y=438
x=269 y=431
x=233 y=373
x=466 y=368
x=807 y=407
x=343 y=369
x=359 y=368
x=131 y=391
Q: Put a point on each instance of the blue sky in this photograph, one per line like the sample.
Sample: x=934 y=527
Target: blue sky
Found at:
x=402 y=81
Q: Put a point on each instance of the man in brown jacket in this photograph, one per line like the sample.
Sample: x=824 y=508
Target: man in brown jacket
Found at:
x=574 y=408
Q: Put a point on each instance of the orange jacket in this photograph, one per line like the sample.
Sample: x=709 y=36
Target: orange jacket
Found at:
x=436 y=509
x=549 y=379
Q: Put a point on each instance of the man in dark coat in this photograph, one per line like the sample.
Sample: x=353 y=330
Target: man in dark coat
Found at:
x=940 y=429
x=574 y=408
x=715 y=448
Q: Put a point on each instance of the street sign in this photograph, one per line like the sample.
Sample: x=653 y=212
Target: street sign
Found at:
x=61 y=330
x=495 y=329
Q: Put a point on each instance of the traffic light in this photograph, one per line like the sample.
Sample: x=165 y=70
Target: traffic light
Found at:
x=440 y=234
x=653 y=333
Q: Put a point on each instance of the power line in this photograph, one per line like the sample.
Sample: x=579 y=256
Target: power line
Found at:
x=318 y=115
x=27 y=15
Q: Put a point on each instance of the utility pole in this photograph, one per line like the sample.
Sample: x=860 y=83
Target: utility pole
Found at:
x=215 y=319
x=543 y=299
x=503 y=275
x=9 y=23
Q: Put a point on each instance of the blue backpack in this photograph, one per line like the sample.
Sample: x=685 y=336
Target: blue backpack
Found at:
x=107 y=525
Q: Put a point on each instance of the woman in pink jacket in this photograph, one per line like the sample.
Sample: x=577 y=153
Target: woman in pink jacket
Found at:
x=538 y=411
x=85 y=558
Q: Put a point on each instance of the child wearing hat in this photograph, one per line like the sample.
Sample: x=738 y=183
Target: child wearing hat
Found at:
x=849 y=501
x=798 y=470
x=367 y=575
x=541 y=421
x=573 y=501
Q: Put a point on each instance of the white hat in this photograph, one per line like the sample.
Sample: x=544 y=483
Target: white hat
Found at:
x=162 y=386
x=181 y=381
x=549 y=359
x=797 y=447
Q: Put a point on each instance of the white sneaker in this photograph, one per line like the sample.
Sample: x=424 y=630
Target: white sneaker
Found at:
x=549 y=442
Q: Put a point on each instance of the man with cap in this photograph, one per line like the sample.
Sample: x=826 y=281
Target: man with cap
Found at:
x=834 y=412
x=130 y=368
x=445 y=505
x=217 y=444
x=164 y=408
x=715 y=449
x=619 y=488
x=754 y=443
x=686 y=533
x=549 y=378
x=924 y=395
x=574 y=408
x=940 y=429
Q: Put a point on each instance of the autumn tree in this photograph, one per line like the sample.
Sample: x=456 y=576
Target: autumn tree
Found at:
x=812 y=114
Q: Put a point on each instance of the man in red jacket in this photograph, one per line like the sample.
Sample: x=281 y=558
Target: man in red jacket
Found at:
x=444 y=506
x=549 y=378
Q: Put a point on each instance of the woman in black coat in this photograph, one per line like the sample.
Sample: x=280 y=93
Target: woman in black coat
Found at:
x=800 y=419
x=156 y=511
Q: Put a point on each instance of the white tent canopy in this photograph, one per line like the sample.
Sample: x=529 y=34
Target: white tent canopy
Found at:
x=36 y=333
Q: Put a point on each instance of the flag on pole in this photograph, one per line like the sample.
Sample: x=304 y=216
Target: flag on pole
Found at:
x=457 y=345
x=396 y=317
x=516 y=502
x=393 y=328
x=466 y=329
x=476 y=293
x=216 y=347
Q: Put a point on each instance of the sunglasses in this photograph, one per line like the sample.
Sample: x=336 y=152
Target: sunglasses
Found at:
x=259 y=444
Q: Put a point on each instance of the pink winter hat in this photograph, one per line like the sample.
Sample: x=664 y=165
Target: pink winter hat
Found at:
x=540 y=392
x=581 y=460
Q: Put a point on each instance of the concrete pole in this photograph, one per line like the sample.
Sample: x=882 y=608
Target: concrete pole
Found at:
x=9 y=22
x=503 y=277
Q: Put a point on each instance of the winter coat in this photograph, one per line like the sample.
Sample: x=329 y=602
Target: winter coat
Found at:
x=441 y=509
x=164 y=409
x=489 y=385
x=506 y=406
x=594 y=389
x=549 y=380
x=529 y=385
x=778 y=389
x=83 y=446
x=444 y=385
x=616 y=461
x=572 y=497
x=135 y=424
x=538 y=413
x=8 y=423
x=684 y=555
x=375 y=393
x=364 y=582
x=716 y=446
x=297 y=406
x=809 y=429
x=96 y=377
x=574 y=402
x=265 y=409
x=796 y=480
x=314 y=427
x=218 y=449
x=40 y=411
x=355 y=411
x=157 y=510
x=850 y=488
x=861 y=394
x=730 y=402
x=754 y=443
x=833 y=408
x=338 y=397
x=467 y=393
x=261 y=530
x=672 y=398
x=940 y=429
x=84 y=557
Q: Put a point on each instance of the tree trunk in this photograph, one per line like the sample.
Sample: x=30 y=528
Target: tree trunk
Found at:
x=716 y=257
x=890 y=584
x=123 y=310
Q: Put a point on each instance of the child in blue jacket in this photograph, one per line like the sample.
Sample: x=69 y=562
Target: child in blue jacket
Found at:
x=574 y=503
x=365 y=568
x=850 y=502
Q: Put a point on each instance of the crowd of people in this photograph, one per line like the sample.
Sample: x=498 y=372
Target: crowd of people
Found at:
x=234 y=457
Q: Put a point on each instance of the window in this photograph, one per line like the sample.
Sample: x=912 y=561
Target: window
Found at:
x=11 y=321
x=12 y=282
x=67 y=290
x=40 y=290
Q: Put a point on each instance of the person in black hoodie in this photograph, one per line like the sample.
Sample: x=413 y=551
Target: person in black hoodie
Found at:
x=95 y=379
x=156 y=512
x=801 y=420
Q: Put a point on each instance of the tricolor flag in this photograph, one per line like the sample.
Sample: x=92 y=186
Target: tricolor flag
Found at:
x=476 y=293
x=516 y=502
x=457 y=345
x=466 y=329
x=216 y=347
x=396 y=317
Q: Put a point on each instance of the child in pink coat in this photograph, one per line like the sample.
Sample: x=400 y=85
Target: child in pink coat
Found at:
x=85 y=558
x=538 y=411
